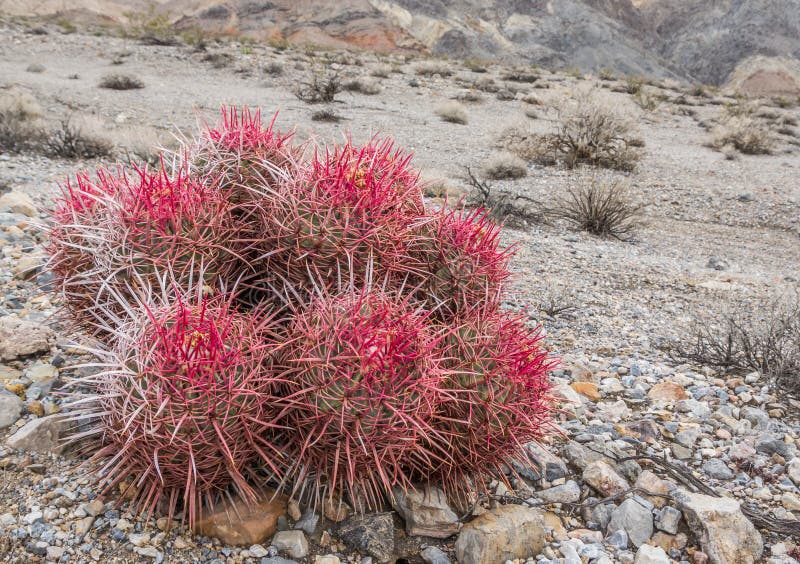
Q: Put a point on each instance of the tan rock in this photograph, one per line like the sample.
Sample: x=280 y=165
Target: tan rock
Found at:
x=668 y=391
x=335 y=509
x=426 y=512
x=244 y=524
x=22 y=338
x=587 y=390
x=44 y=434
x=652 y=483
x=18 y=202
x=505 y=533
x=602 y=477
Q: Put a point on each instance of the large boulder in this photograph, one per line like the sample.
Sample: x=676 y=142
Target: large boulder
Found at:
x=507 y=532
x=722 y=530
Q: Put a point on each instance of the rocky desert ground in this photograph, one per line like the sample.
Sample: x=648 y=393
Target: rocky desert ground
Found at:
x=661 y=459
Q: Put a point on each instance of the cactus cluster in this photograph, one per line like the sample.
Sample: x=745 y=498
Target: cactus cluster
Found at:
x=266 y=311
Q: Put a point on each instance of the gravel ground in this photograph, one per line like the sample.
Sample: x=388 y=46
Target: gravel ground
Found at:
x=715 y=232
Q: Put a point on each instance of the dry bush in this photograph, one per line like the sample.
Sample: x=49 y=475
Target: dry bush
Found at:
x=71 y=140
x=587 y=131
x=747 y=135
x=20 y=123
x=524 y=144
x=502 y=166
x=520 y=76
x=328 y=115
x=647 y=101
x=600 y=208
x=431 y=68
x=362 y=86
x=513 y=210
x=556 y=301
x=138 y=143
x=633 y=84
x=762 y=336
x=532 y=99
x=469 y=96
x=452 y=112
x=476 y=66
x=381 y=71
x=120 y=82
x=486 y=84
x=321 y=87
x=273 y=68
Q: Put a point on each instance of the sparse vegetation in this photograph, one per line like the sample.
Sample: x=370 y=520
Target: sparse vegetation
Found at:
x=431 y=68
x=452 y=112
x=764 y=337
x=747 y=135
x=71 y=140
x=273 y=68
x=381 y=71
x=362 y=86
x=321 y=87
x=601 y=208
x=647 y=101
x=633 y=84
x=20 y=126
x=121 y=82
x=328 y=115
x=503 y=166
x=517 y=211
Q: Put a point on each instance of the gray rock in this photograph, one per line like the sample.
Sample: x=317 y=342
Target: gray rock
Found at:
x=504 y=533
x=667 y=520
x=770 y=445
x=308 y=522
x=687 y=437
x=651 y=555
x=618 y=539
x=601 y=514
x=22 y=338
x=793 y=470
x=41 y=435
x=757 y=417
x=724 y=533
x=10 y=409
x=293 y=543
x=278 y=560
x=425 y=512
x=372 y=534
x=717 y=469
x=565 y=493
x=434 y=555
x=635 y=519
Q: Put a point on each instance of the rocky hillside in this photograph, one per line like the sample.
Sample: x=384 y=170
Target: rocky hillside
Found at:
x=697 y=40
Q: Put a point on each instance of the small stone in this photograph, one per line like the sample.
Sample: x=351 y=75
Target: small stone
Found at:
x=635 y=519
x=10 y=408
x=257 y=551
x=668 y=391
x=793 y=470
x=82 y=526
x=293 y=509
x=372 y=534
x=36 y=408
x=293 y=543
x=328 y=559
x=425 y=512
x=147 y=552
x=503 y=533
x=717 y=469
x=55 y=553
x=667 y=520
x=790 y=501
x=94 y=507
x=308 y=522
x=244 y=523
x=651 y=555
x=22 y=338
x=649 y=482
x=618 y=539
x=566 y=493
x=603 y=478
x=18 y=202
x=434 y=555
x=588 y=390
x=40 y=435
x=336 y=510
x=41 y=371
x=139 y=539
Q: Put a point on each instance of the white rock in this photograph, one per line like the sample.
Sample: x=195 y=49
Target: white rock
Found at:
x=18 y=202
x=648 y=554
x=293 y=543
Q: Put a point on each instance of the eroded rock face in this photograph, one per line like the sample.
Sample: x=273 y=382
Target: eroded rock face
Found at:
x=426 y=513
x=723 y=531
x=504 y=533
x=243 y=524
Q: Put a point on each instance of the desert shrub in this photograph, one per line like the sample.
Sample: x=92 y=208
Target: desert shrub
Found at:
x=362 y=86
x=520 y=76
x=476 y=66
x=326 y=115
x=273 y=68
x=633 y=84
x=452 y=112
x=20 y=125
x=431 y=68
x=600 y=208
x=121 y=82
x=647 y=101
x=513 y=210
x=321 y=87
x=525 y=144
x=271 y=314
x=750 y=336
x=746 y=135
x=606 y=74
x=501 y=166
x=486 y=84
x=469 y=96
x=589 y=132
x=381 y=71
x=71 y=140
x=36 y=68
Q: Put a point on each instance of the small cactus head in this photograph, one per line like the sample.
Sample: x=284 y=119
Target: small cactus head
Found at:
x=458 y=263
x=496 y=397
x=187 y=405
x=365 y=383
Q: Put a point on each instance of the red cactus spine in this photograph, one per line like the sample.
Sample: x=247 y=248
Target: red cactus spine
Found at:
x=188 y=404
x=497 y=397
x=365 y=385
